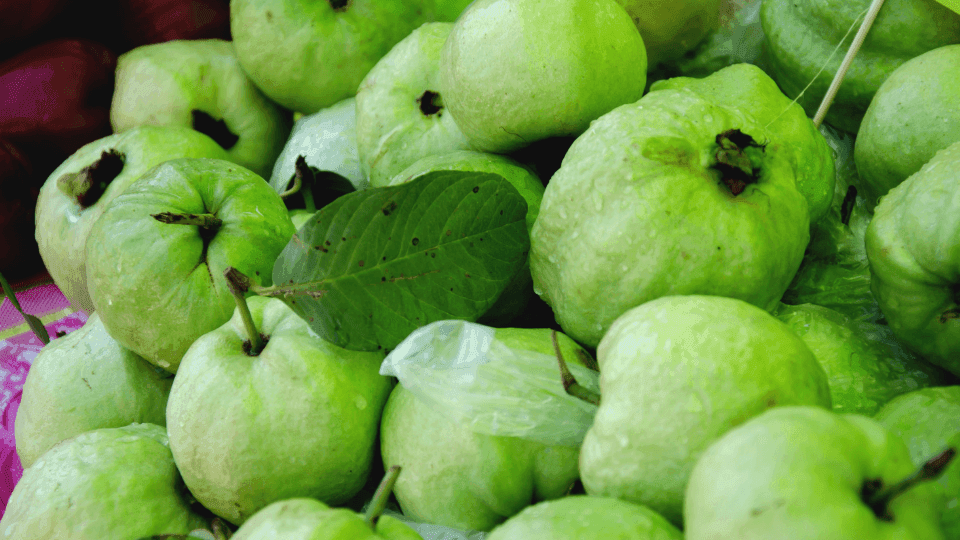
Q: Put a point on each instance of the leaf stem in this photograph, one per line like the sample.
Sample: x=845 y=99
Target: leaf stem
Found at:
x=831 y=94
x=35 y=324
x=570 y=384
x=238 y=285
x=381 y=496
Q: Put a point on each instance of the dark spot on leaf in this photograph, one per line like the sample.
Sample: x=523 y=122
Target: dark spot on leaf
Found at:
x=389 y=208
x=360 y=263
x=476 y=189
x=448 y=232
x=384 y=258
x=467 y=274
x=384 y=278
x=343 y=239
x=433 y=254
x=501 y=212
x=327 y=242
x=415 y=241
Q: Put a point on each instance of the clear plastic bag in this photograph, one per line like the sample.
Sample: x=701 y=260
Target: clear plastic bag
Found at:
x=462 y=370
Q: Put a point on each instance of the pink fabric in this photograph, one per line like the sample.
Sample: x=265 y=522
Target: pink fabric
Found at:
x=16 y=356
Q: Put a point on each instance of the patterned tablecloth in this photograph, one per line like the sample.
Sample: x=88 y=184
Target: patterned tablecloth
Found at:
x=18 y=348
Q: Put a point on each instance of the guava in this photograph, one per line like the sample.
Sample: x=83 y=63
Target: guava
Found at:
x=106 y=483
x=693 y=189
x=85 y=381
x=671 y=28
x=913 y=115
x=310 y=519
x=912 y=246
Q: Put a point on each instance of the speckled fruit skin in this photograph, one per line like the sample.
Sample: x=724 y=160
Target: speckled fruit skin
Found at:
x=85 y=381
x=310 y=519
x=914 y=114
x=579 y=517
x=516 y=71
x=455 y=477
x=306 y=55
x=298 y=420
x=159 y=286
x=637 y=210
x=107 y=483
x=798 y=473
x=63 y=224
x=928 y=420
x=912 y=246
x=677 y=373
x=803 y=36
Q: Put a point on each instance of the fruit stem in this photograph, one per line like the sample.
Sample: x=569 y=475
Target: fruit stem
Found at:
x=381 y=496
x=570 y=384
x=204 y=221
x=831 y=94
x=238 y=285
x=879 y=501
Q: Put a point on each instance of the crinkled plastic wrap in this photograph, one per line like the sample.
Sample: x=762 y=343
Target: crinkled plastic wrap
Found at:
x=430 y=531
x=466 y=373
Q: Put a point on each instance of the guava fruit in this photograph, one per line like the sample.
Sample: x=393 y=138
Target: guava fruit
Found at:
x=75 y=194
x=310 y=519
x=807 y=40
x=107 y=483
x=693 y=189
x=670 y=29
x=85 y=381
x=913 y=115
x=912 y=246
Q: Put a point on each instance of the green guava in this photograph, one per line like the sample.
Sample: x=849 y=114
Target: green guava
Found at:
x=913 y=115
x=808 y=39
x=912 y=245
x=107 y=483
x=459 y=478
x=310 y=519
x=693 y=189
x=85 y=381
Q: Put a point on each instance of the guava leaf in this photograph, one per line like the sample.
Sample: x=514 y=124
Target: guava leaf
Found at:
x=374 y=265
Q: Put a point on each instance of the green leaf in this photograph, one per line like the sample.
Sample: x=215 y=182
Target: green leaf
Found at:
x=36 y=325
x=376 y=264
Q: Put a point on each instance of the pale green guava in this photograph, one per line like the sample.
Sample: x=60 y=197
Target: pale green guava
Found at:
x=159 y=286
x=310 y=519
x=676 y=373
x=582 y=517
x=456 y=477
x=77 y=192
x=928 y=420
x=913 y=115
x=198 y=83
x=108 y=483
x=298 y=419
x=912 y=245
x=85 y=381
x=516 y=71
x=863 y=373
x=693 y=189
x=401 y=116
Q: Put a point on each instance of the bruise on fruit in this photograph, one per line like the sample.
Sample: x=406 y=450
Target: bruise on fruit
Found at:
x=430 y=103
x=736 y=169
x=215 y=129
x=90 y=183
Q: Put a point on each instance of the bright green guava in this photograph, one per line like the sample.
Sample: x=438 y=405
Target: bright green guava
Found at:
x=676 y=373
x=455 y=477
x=670 y=29
x=806 y=41
x=913 y=115
x=75 y=195
x=401 y=116
x=928 y=420
x=863 y=374
x=107 y=483
x=170 y=83
x=516 y=296
x=159 y=286
x=511 y=75
x=307 y=55
x=580 y=517
x=310 y=519
x=297 y=420
x=803 y=473
x=85 y=381
x=643 y=205
x=912 y=248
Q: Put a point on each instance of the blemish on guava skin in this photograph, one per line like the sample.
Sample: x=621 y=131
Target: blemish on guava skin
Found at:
x=430 y=104
x=737 y=169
